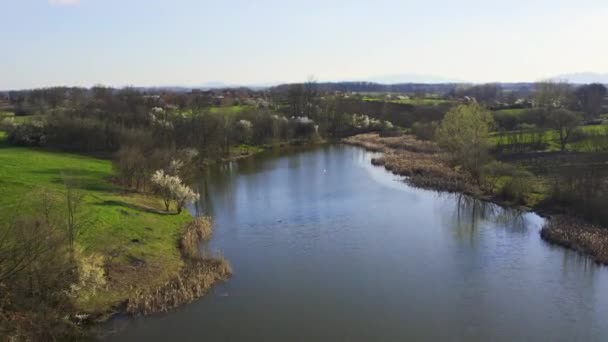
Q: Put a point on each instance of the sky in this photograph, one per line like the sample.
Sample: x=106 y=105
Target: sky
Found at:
x=189 y=42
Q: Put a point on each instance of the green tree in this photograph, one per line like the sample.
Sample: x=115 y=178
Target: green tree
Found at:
x=464 y=134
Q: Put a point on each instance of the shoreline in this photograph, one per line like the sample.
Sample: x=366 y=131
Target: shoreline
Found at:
x=425 y=166
x=198 y=274
x=195 y=278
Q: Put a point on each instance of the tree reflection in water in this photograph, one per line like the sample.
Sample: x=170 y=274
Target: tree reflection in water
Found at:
x=469 y=214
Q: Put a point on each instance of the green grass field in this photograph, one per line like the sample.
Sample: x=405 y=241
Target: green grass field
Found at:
x=428 y=101
x=128 y=226
x=228 y=109
x=17 y=119
x=225 y=110
x=514 y=112
x=551 y=138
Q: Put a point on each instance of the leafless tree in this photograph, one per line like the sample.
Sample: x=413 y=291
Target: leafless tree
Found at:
x=550 y=94
x=565 y=123
x=74 y=197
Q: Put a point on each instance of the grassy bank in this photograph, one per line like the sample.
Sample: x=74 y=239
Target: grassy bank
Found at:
x=137 y=239
x=199 y=273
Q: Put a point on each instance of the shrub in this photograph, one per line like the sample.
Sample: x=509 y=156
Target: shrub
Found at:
x=91 y=274
x=199 y=229
x=518 y=186
x=507 y=181
x=28 y=134
x=425 y=130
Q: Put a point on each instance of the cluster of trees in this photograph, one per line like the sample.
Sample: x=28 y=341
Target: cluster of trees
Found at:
x=588 y=99
x=105 y=120
x=464 y=133
x=578 y=181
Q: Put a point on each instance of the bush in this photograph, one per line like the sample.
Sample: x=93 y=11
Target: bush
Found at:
x=509 y=182
x=518 y=186
x=27 y=134
x=425 y=130
x=583 y=191
x=91 y=274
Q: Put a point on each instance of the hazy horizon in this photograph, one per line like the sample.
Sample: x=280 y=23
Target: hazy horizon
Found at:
x=191 y=43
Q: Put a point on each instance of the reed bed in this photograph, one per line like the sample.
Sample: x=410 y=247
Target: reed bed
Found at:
x=195 y=278
x=422 y=162
x=578 y=235
x=196 y=231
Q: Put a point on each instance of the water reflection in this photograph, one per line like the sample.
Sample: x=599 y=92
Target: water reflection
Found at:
x=464 y=215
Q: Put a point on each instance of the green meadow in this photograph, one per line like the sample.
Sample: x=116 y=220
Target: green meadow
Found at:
x=129 y=228
x=550 y=138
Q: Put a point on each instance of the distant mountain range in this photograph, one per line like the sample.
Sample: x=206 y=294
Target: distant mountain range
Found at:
x=410 y=78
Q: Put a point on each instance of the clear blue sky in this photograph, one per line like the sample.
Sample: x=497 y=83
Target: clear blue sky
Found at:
x=188 y=42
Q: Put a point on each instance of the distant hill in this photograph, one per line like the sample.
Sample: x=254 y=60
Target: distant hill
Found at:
x=584 y=77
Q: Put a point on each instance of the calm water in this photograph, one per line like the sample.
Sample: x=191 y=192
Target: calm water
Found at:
x=325 y=246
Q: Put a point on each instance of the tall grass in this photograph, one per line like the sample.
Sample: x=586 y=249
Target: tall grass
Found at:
x=195 y=278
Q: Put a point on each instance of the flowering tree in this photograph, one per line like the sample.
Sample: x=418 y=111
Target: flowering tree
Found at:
x=184 y=194
x=170 y=188
x=165 y=184
x=245 y=131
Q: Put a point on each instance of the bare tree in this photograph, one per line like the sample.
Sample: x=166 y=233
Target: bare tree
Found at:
x=26 y=239
x=565 y=123
x=549 y=94
x=590 y=98
x=74 y=205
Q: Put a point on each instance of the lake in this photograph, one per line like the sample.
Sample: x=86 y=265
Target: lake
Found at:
x=325 y=246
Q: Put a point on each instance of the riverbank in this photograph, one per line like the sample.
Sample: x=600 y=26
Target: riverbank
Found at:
x=425 y=166
x=136 y=241
x=422 y=162
x=193 y=280
x=577 y=235
x=246 y=151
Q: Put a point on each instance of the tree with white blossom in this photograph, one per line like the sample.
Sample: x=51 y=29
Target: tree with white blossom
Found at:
x=171 y=188
x=183 y=194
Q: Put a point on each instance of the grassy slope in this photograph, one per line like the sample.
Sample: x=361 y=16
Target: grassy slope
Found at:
x=114 y=219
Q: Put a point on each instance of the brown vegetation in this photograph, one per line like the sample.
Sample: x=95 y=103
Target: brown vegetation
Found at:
x=420 y=161
x=199 y=229
x=193 y=281
x=195 y=278
x=580 y=236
